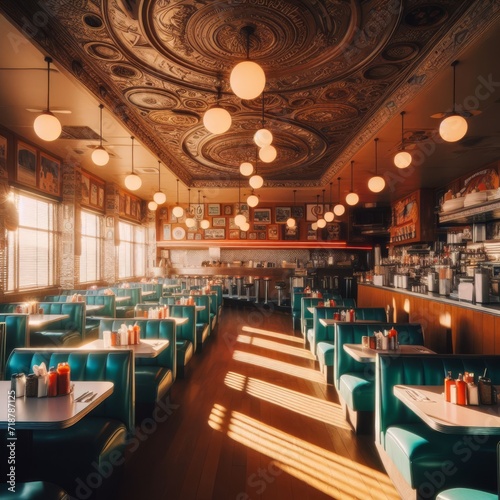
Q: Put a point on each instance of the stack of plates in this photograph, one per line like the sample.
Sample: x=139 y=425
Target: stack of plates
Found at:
x=453 y=204
x=475 y=198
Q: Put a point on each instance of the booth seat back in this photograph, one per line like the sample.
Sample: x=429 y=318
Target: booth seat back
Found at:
x=116 y=367
x=168 y=300
x=108 y=301
x=56 y=298
x=426 y=369
x=9 y=307
x=157 y=288
x=135 y=294
x=203 y=316
x=306 y=317
x=150 y=329
x=371 y=313
x=214 y=308
x=17 y=331
x=348 y=302
x=353 y=333
x=218 y=289
x=187 y=331
x=318 y=332
x=296 y=304
x=75 y=311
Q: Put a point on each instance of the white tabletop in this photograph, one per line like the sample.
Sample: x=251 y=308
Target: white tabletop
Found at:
x=91 y=308
x=148 y=348
x=171 y=286
x=122 y=298
x=178 y=321
x=50 y=413
x=39 y=320
x=367 y=355
x=147 y=293
x=333 y=322
x=428 y=402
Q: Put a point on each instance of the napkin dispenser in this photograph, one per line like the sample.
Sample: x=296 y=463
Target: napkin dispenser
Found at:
x=482 y=286
x=466 y=290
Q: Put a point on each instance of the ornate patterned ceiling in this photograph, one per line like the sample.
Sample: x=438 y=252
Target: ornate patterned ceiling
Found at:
x=330 y=66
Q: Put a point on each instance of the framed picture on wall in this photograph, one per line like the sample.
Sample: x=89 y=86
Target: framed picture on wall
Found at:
x=312 y=234
x=234 y=234
x=213 y=209
x=314 y=212
x=262 y=215
x=282 y=214
x=228 y=210
x=26 y=164
x=167 y=231
x=272 y=232
x=290 y=233
x=298 y=211
x=49 y=175
x=219 y=221
x=215 y=234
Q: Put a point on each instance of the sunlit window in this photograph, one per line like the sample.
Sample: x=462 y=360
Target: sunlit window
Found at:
x=91 y=247
x=132 y=251
x=32 y=249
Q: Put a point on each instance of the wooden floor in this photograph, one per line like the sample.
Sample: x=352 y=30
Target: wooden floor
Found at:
x=253 y=419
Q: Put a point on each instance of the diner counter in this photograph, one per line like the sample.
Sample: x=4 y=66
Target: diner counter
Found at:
x=450 y=325
x=218 y=271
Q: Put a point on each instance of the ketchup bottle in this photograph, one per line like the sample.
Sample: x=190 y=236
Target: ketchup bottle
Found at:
x=52 y=385
x=461 y=391
x=448 y=382
x=63 y=378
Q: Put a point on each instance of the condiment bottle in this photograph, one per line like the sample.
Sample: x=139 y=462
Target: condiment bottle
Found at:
x=137 y=334
x=448 y=382
x=63 y=378
x=461 y=391
x=393 y=338
x=52 y=389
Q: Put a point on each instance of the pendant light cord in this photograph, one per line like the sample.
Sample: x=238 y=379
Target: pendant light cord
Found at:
x=177 y=202
x=454 y=64
x=263 y=119
x=338 y=178
x=376 y=156
x=159 y=184
x=352 y=168
x=132 y=154
x=49 y=60
x=402 y=130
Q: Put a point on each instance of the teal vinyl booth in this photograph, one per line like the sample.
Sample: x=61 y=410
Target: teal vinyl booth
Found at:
x=422 y=461
x=65 y=454
x=355 y=381
x=154 y=377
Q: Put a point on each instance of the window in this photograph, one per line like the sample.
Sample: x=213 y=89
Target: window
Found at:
x=92 y=246
x=32 y=249
x=132 y=251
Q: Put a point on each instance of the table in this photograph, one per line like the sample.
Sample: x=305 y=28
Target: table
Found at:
x=121 y=298
x=41 y=320
x=178 y=321
x=148 y=348
x=332 y=322
x=367 y=355
x=148 y=293
x=427 y=401
x=51 y=413
x=92 y=308
x=171 y=286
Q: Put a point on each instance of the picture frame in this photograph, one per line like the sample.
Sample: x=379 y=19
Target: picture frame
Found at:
x=218 y=221
x=100 y=198
x=272 y=232
x=213 y=209
x=331 y=232
x=190 y=236
x=243 y=235
x=290 y=233
x=234 y=234
x=167 y=232
x=282 y=214
x=314 y=211
x=3 y=157
x=243 y=209
x=26 y=164
x=260 y=227
x=215 y=234
x=298 y=211
x=49 y=175
x=312 y=234
x=232 y=224
x=93 y=194
x=228 y=210
x=262 y=215
x=252 y=235
x=261 y=235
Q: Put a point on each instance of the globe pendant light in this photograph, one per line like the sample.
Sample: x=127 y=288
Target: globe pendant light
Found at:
x=339 y=209
x=152 y=205
x=46 y=125
x=204 y=224
x=245 y=226
x=239 y=219
x=403 y=158
x=178 y=211
x=352 y=198
x=246 y=168
x=268 y=154
x=256 y=181
x=291 y=222
x=322 y=222
x=100 y=156
x=247 y=79
x=376 y=183
x=190 y=221
x=133 y=181
x=263 y=137
x=252 y=200
x=454 y=126
x=329 y=216
x=159 y=197
x=217 y=120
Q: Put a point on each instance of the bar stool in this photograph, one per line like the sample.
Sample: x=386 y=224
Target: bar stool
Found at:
x=247 y=287
x=310 y=282
x=266 y=289
x=280 y=286
x=239 y=283
x=257 y=289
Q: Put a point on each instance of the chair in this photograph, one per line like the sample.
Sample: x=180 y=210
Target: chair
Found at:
x=280 y=286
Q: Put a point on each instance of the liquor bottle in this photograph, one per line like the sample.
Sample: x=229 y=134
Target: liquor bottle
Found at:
x=448 y=382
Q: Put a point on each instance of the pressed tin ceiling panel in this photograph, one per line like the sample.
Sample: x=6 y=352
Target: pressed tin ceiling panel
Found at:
x=332 y=67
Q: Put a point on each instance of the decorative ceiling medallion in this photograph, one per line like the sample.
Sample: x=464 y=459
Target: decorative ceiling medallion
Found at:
x=103 y=51
x=381 y=72
x=327 y=113
x=125 y=71
x=151 y=98
x=92 y=21
x=401 y=51
x=173 y=119
x=425 y=16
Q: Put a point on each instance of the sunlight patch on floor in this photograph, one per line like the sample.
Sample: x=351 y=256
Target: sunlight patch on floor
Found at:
x=309 y=406
x=279 y=366
x=328 y=472
x=275 y=346
x=276 y=335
